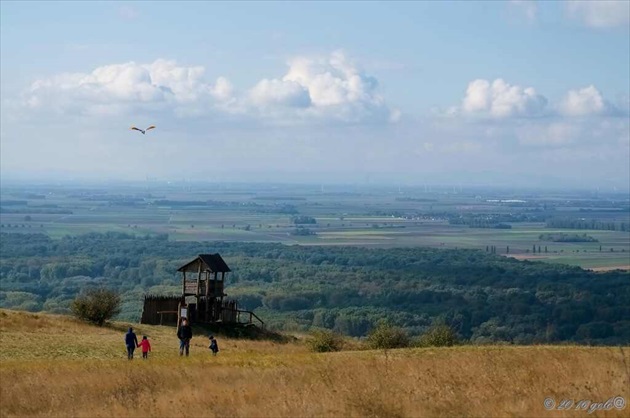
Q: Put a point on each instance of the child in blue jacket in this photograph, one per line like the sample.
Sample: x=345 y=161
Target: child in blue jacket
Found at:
x=214 y=347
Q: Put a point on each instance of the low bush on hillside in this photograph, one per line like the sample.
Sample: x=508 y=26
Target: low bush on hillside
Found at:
x=96 y=306
x=386 y=336
x=438 y=336
x=324 y=341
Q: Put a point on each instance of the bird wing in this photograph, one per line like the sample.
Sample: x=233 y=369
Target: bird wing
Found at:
x=151 y=127
x=137 y=129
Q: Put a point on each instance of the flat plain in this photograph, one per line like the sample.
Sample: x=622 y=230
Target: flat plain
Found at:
x=356 y=216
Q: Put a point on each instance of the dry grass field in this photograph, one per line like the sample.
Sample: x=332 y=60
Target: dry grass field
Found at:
x=53 y=366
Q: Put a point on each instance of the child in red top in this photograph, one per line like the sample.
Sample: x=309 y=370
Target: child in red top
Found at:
x=146 y=347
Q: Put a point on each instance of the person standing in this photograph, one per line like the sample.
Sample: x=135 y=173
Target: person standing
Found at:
x=146 y=347
x=131 y=341
x=214 y=347
x=184 y=333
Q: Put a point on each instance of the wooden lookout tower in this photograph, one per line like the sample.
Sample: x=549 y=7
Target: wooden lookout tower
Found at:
x=202 y=299
x=204 y=278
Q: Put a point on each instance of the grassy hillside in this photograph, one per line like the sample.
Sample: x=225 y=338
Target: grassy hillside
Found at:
x=55 y=366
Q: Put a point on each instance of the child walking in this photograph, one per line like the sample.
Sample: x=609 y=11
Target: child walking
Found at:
x=146 y=347
x=214 y=347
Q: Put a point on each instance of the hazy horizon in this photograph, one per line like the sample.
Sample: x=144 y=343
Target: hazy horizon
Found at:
x=367 y=183
x=500 y=94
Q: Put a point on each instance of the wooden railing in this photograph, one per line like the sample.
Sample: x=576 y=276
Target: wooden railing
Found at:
x=249 y=314
x=251 y=317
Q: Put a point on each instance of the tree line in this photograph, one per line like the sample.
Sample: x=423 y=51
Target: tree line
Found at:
x=573 y=223
x=482 y=296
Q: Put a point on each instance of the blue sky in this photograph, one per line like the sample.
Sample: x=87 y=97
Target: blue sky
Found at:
x=517 y=92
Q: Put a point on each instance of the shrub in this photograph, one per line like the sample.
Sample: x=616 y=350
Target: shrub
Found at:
x=386 y=336
x=96 y=306
x=324 y=341
x=438 y=336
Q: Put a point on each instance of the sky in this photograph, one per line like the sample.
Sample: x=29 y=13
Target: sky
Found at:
x=514 y=93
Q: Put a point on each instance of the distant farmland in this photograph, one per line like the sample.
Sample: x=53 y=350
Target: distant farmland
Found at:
x=359 y=217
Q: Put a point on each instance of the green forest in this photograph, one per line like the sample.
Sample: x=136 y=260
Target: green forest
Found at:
x=486 y=298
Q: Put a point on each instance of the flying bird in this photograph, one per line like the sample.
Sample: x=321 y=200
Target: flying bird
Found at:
x=133 y=128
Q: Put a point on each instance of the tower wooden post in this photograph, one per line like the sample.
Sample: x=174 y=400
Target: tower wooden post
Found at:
x=207 y=294
x=197 y=292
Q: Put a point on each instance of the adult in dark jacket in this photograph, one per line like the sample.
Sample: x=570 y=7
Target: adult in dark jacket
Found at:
x=184 y=333
x=131 y=341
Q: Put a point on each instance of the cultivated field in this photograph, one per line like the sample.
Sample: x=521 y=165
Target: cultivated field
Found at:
x=55 y=366
x=374 y=217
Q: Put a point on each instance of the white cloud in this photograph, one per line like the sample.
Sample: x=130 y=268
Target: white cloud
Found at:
x=326 y=89
x=583 y=102
x=580 y=120
x=528 y=8
x=501 y=100
x=332 y=80
x=600 y=13
x=222 y=89
x=280 y=92
x=128 y=12
x=117 y=88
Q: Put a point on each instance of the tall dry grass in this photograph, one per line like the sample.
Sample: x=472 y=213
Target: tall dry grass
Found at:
x=262 y=379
